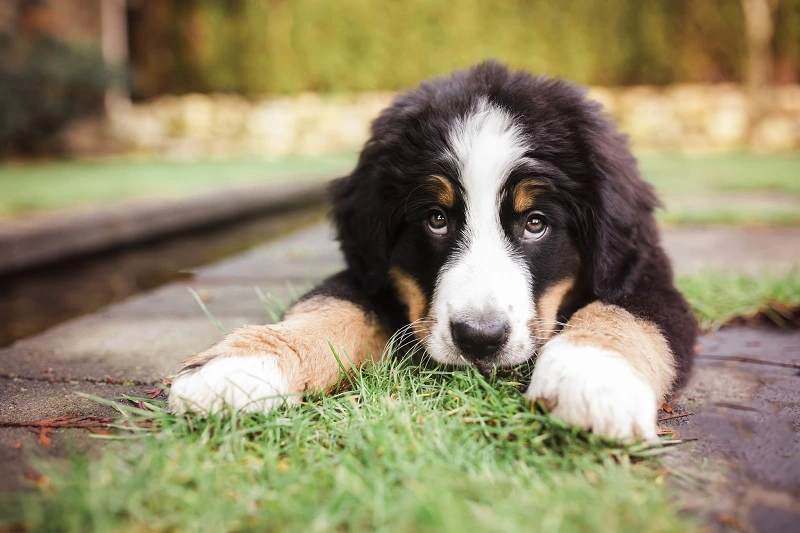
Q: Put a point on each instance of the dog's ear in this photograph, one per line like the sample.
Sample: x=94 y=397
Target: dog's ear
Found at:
x=362 y=226
x=624 y=233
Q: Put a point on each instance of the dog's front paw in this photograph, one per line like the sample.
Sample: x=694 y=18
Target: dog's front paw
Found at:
x=595 y=389
x=241 y=373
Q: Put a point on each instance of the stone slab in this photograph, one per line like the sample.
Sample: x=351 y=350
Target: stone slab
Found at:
x=33 y=400
x=57 y=398
x=221 y=300
x=144 y=339
x=745 y=461
x=310 y=254
x=752 y=251
x=141 y=350
x=27 y=243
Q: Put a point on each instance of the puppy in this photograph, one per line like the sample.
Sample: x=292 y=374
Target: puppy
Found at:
x=497 y=217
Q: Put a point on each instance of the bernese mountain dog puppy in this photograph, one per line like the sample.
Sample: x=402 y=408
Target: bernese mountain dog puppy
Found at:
x=498 y=217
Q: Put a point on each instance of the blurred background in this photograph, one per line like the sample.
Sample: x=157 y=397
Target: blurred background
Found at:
x=106 y=104
x=271 y=78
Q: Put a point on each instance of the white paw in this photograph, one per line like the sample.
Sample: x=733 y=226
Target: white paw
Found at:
x=594 y=389
x=252 y=384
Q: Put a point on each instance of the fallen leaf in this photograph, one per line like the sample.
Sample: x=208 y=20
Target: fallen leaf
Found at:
x=44 y=436
x=17 y=445
x=728 y=520
x=47 y=370
x=152 y=393
x=37 y=479
x=668 y=431
x=666 y=408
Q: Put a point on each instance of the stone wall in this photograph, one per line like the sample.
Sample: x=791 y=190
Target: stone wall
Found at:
x=679 y=117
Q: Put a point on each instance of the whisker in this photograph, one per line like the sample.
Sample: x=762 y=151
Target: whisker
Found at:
x=405 y=336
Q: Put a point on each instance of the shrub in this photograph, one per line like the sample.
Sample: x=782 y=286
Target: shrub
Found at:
x=284 y=46
x=46 y=83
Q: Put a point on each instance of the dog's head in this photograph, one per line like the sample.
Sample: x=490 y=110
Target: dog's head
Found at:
x=491 y=202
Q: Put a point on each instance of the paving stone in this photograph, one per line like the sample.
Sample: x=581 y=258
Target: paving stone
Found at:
x=57 y=398
x=143 y=349
x=144 y=339
x=752 y=251
x=221 y=300
x=310 y=254
x=30 y=242
x=23 y=400
x=745 y=460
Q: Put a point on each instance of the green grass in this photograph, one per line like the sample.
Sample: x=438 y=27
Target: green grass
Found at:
x=735 y=189
x=736 y=215
x=717 y=298
x=61 y=185
x=728 y=172
x=408 y=448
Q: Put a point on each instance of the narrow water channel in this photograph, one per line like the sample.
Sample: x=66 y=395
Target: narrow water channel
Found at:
x=35 y=300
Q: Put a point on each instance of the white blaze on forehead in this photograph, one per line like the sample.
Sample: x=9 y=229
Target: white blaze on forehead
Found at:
x=485 y=275
x=486 y=146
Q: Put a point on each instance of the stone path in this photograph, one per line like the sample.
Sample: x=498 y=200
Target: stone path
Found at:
x=743 y=470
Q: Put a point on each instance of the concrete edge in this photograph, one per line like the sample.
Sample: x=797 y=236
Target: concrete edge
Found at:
x=38 y=241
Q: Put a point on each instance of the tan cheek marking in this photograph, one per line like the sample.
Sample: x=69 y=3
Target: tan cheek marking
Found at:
x=302 y=342
x=443 y=190
x=547 y=309
x=525 y=193
x=639 y=341
x=410 y=293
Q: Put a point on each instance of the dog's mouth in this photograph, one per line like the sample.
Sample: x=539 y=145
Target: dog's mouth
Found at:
x=491 y=371
x=486 y=369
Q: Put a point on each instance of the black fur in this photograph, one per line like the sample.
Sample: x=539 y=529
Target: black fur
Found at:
x=604 y=210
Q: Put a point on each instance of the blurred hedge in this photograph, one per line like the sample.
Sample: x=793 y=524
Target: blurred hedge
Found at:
x=44 y=84
x=262 y=46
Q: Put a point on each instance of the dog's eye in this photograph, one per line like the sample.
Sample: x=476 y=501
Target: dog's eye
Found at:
x=535 y=226
x=437 y=222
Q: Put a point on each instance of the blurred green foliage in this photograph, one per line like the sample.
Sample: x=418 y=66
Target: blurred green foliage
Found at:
x=261 y=46
x=44 y=84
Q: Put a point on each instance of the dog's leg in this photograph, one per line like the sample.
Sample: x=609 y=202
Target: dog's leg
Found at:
x=606 y=372
x=257 y=368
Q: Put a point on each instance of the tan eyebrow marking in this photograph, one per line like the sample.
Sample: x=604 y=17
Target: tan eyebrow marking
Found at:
x=525 y=193
x=443 y=190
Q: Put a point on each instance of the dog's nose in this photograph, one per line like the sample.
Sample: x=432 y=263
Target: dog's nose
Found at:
x=480 y=338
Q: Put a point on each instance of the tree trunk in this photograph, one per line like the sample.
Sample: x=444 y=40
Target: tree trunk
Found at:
x=758 y=16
